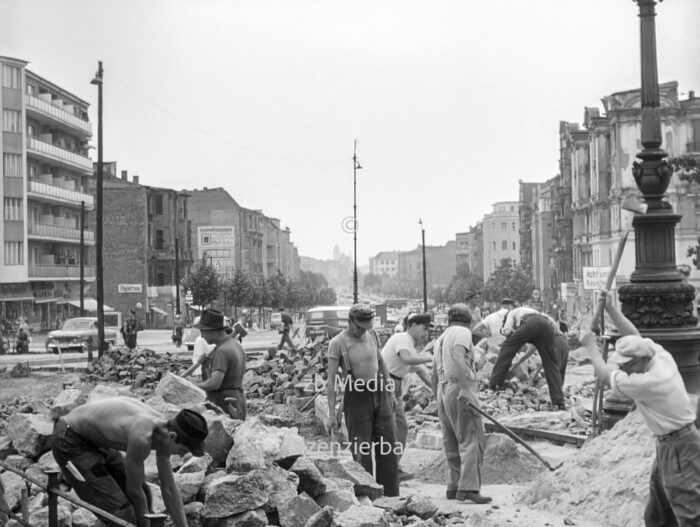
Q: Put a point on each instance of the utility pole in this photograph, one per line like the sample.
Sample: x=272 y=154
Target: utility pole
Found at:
x=177 y=276
x=425 y=280
x=99 y=282
x=82 y=259
x=355 y=167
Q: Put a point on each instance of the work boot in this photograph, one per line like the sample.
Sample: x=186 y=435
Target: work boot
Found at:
x=468 y=495
x=451 y=494
x=404 y=476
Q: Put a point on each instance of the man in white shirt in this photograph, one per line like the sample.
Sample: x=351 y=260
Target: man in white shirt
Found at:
x=490 y=327
x=648 y=374
x=400 y=356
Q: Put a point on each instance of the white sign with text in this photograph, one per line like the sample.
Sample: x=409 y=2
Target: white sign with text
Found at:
x=594 y=278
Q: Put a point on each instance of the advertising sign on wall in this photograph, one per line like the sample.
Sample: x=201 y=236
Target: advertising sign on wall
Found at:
x=218 y=245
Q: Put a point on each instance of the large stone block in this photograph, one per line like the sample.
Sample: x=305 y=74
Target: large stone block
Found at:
x=297 y=511
x=30 y=433
x=6 y=448
x=232 y=495
x=13 y=484
x=421 y=506
x=66 y=401
x=338 y=500
x=362 y=481
x=363 y=516
x=323 y=518
x=311 y=480
x=40 y=518
x=176 y=390
x=189 y=484
x=195 y=464
x=280 y=485
x=257 y=446
x=193 y=513
x=255 y=518
x=220 y=438
x=84 y=518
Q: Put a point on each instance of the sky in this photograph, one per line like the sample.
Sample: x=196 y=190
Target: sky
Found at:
x=452 y=102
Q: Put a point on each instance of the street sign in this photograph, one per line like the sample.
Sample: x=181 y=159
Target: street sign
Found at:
x=595 y=277
x=189 y=298
x=535 y=293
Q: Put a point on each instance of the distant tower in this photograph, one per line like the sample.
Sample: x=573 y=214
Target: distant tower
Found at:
x=336 y=252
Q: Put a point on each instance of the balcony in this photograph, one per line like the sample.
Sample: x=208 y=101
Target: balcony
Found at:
x=58 y=114
x=59 y=272
x=57 y=232
x=59 y=156
x=58 y=194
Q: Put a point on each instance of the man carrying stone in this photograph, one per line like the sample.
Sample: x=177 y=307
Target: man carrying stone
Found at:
x=287 y=324
x=87 y=445
x=525 y=325
x=648 y=374
x=400 y=356
x=455 y=386
x=223 y=368
x=368 y=403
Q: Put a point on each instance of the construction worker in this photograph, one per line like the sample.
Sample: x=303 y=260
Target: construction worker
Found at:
x=490 y=326
x=400 y=356
x=525 y=325
x=455 y=386
x=648 y=374
x=368 y=403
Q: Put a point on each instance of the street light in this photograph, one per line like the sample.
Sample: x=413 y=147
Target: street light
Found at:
x=425 y=281
x=99 y=282
x=355 y=167
x=656 y=280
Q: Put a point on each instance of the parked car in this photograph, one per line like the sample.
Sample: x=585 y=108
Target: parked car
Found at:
x=192 y=333
x=276 y=321
x=326 y=320
x=78 y=334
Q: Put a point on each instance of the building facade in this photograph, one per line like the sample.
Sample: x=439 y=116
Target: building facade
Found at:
x=501 y=236
x=385 y=263
x=45 y=173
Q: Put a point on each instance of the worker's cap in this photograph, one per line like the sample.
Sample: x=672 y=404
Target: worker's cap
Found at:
x=422 y=318
x=211 y=319
x=362 y=315
x=459 y=313
x=191 y=429
x=507 y=301
x=632 y=347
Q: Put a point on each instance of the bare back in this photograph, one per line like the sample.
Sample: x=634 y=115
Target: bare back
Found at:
x=113 y=423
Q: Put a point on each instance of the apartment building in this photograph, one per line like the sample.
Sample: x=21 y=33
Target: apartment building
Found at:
x=501 y=236
x=45 y=173
x=469 y=250
x=385 y=263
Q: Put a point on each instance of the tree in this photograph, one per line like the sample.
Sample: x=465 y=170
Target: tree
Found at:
x=204 y=283
x=239 y=289
x=326 y=297
x=507 y=281
x=372 y=280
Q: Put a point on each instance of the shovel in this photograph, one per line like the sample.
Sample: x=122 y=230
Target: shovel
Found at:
x=515 y=437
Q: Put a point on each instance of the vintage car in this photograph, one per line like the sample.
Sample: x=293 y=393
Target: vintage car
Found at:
x=326 y=320
x=78 y=334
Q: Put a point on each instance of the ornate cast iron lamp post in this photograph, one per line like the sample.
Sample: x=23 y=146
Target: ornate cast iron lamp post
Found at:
x=657 y=300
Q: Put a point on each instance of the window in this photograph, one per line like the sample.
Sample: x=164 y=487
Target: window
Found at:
x=159 y=204
x=12 y=165
x=513 y=226
x=694 y=145
x=494 y=246
x=13 y=209
x=14 y=253
x=31 y=90
x=31 y=174
x=159 y=239
x=504 y=245
x=160 y=279
x=11 y=77
x=513 y=245
x=504 y=226
x=31 y=130
x=11 y=121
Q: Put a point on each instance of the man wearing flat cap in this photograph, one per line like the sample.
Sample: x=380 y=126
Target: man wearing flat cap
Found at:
x=455 y=386
x=647 y=373
x=400 y=356
x=223 y=368
x=368 y=402
x=87 y=445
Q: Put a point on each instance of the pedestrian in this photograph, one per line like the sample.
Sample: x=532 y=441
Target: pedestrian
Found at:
x=88 y=441
x=525 y=325
x=287 y=324
x=223 y=368
x=400 y=356
x=455 y=386
x=648 y=374
x=367 y=400
x=130 y=328
x=178 y=330
x=58 y=322
x=239 y=329
x=490 y=326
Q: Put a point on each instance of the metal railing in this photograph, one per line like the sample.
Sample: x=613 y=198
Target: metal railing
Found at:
x=59 y=271
x=53 y=191
x=55 y=231
x=157 y=520
x=59 y=153
x=57 y=113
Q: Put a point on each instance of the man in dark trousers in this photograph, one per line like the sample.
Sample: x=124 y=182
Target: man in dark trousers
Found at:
x=368 y=401
x=524 y=325
x=223 y=368
x=647 y=373
x=130 y=328
x=287 y=324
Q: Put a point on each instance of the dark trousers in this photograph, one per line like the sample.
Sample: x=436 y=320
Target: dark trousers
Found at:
x=285 y=340
x=101 y=468
x=674 y=486
x=400 y=414
x=369 y=417
x=537 y=331
x=239 y=410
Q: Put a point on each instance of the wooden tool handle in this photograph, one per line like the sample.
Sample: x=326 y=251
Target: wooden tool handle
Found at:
x=609 y=282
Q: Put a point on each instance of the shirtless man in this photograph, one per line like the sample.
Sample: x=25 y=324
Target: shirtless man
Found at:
x=223 y=368
x=86 y=444
x=368 y=401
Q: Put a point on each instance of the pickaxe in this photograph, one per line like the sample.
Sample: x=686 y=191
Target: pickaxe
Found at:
x=632 y=204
